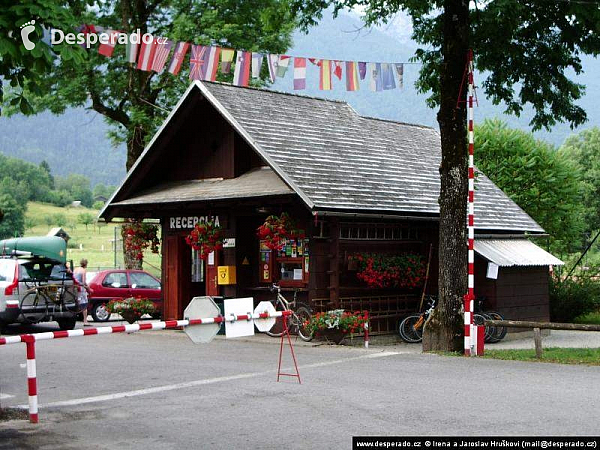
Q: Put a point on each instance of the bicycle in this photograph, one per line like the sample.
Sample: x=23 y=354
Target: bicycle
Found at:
x=44 y=300
x=493 y=334
x=411 y=327
x=296 y=321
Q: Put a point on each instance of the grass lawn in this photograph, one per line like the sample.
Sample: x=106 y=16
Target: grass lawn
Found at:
x=94 y=243
x=589 y=356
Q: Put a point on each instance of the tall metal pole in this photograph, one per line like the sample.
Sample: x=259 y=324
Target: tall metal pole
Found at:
x=115 y=246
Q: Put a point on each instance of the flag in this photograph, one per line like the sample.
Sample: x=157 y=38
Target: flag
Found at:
x=272 y=63
x=212 y=63
x=337 y=71
x=256 y=64
x=387 y=76
x=243 y=61
x=131 y=50
x=375 y=74
x=146 y=55
x=162 y=52
x=197 y=58
x=314 y=61
x=226 y=59
x=299 y=73
x=362 y=70
x=108 y=48
x=352 y=83
x=400 y=73
x=282 y=65
x=325 y=75
x=178 y=56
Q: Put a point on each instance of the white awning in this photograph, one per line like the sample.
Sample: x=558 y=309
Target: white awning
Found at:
x=514 y=252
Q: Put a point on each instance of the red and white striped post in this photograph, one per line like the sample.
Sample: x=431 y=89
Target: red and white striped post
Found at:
x=366 y=327
x=469 y=299
x=31 y=378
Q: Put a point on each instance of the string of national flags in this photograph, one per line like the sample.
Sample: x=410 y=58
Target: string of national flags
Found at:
x=206 y=60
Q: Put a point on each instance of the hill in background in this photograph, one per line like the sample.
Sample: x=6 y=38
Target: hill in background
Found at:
x=76 y=142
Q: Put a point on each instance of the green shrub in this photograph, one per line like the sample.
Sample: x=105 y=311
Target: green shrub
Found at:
x=571 y=298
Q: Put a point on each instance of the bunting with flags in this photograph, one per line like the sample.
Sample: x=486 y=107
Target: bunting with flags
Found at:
x=362 y=70
x=146 y=56
x=282 y=65
x=257 y=59
x=272 y=64
x=226 y=60
x=352 y=83
x=197 y=58
x=387 y=77
x=376 y=81
x=400 y=73
x=337 y=71
x=299 y=73
x=243 y=61
x=211 y=64
x=163 y=48
x=324 y=75
x=131 y=51
x=107 y=48
x=178 y=56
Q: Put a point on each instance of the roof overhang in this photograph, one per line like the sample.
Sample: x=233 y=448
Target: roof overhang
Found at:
x=514 y=252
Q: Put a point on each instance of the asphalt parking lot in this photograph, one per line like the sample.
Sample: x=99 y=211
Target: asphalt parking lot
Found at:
x=159 y=390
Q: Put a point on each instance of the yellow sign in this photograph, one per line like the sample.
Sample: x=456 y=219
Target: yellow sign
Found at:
x=226 y=275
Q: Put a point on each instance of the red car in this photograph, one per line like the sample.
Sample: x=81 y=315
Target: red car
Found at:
x=107 y=285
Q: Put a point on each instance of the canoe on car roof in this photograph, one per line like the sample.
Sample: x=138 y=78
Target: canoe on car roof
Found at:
x=50 y=247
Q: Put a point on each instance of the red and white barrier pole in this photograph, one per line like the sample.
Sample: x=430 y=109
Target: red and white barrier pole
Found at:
x=366 y=327
x=31 y=379
x=469 y=299
x=31 y=339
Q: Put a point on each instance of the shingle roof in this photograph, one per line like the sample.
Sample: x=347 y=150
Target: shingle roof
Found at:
x=342 y=161
x=256 y=183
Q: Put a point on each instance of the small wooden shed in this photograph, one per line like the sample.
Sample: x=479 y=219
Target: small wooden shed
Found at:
x=356 y=185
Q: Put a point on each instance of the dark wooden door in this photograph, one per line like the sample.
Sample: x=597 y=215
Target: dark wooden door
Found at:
x=212 y=274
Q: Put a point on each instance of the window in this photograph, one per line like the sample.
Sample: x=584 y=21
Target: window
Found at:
x=7 y=270
x=143 y=281
x=197 y=267
x=377 y=232
x=115 y=280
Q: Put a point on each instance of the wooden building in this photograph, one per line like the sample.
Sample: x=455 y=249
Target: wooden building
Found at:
x=355 y=184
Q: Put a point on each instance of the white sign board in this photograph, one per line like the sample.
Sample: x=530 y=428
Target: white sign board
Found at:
x=229 y=243
x=264 y=324
x=237 y=307
x=202 y=308
x=492 y=271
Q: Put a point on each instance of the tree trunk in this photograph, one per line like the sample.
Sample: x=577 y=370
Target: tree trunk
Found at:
x=444 y=330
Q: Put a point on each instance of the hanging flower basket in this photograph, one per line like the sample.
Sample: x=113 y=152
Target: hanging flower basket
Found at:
x=206 y=237
x=277 y=229
x=389 y=271
x=138 y=236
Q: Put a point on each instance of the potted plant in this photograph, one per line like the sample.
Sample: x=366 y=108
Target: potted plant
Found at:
x=277 y=229
x=206 y=237
x=131 y=309
x=336 y=324
x=138 y=236
x=389 y=271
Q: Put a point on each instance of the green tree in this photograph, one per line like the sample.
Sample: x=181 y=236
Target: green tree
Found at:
x=13 y=223
x=542 y=181
x=86 y=219
x=584 y=149
x=21 y=67
x=59 y=219
x=78 y=187
x=46 y=168
x=530 y=44
x=135 y=101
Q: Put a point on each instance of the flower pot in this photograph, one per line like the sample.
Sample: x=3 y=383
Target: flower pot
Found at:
x=334 y=335
x=130 y=316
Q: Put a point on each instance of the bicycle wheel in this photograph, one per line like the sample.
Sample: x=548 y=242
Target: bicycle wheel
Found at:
x=408 y=332
x=70 y=300
x=34 y=307
x=479 y=319
x=302 y=316
x=277 y=329
x=500 y=332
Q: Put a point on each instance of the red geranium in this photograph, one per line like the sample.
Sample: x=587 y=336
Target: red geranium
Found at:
x=206 y=237
x=390 y=271
x=138 y=236
x=276 y=230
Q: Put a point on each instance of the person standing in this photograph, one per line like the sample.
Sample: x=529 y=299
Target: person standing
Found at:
x=80 y=275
